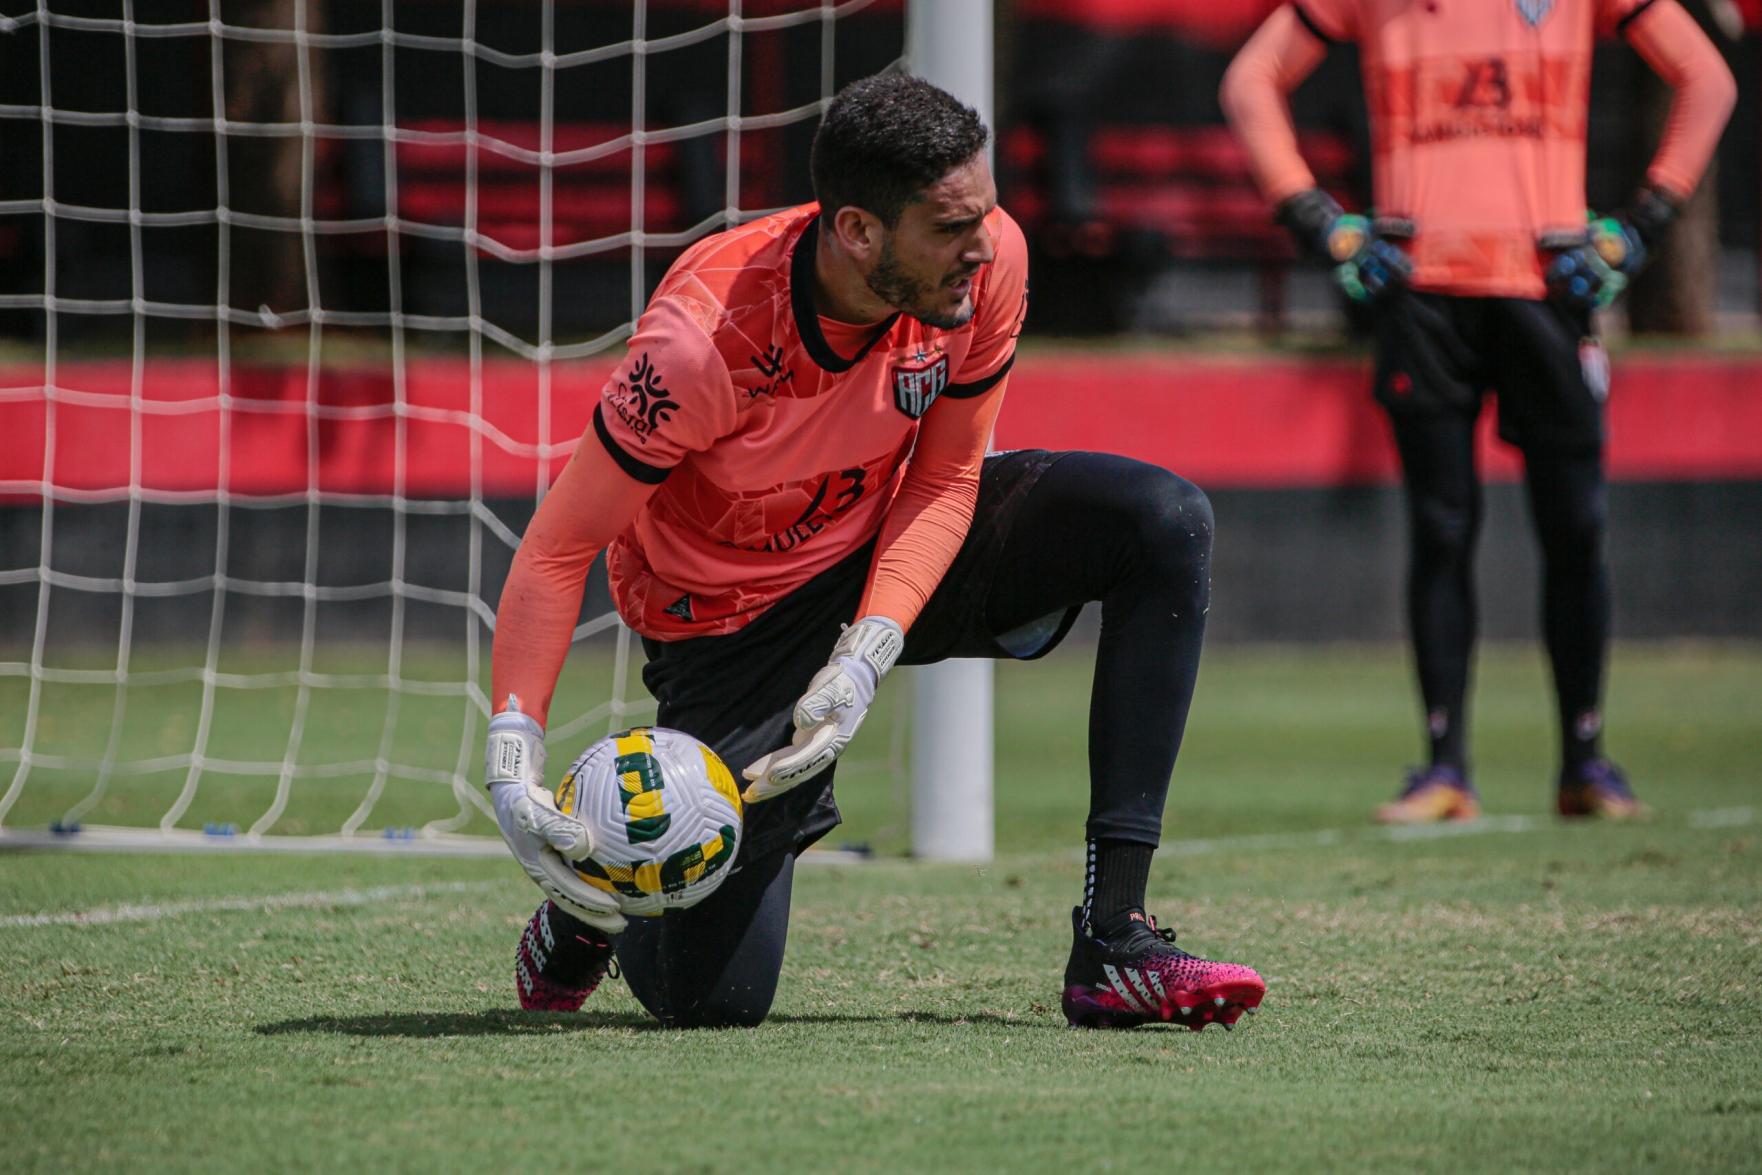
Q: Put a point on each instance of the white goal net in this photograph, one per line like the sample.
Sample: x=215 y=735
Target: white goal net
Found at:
x=302 y=307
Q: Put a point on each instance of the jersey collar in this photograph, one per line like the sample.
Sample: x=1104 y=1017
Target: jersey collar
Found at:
x=807 y=319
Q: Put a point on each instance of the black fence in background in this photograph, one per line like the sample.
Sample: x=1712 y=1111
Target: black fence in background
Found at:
x=1111 y=150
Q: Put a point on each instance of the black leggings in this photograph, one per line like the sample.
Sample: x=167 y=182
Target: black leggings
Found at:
x=1052 y=532
x=1568 y=502
x=1136 y=538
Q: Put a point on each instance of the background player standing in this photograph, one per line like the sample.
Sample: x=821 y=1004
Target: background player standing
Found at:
x=795 y=446
x=1486 y=276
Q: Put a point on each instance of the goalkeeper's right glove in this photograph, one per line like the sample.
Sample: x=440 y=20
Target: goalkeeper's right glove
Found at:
x=543 y=839
x=828 y=715
x=1367 y=261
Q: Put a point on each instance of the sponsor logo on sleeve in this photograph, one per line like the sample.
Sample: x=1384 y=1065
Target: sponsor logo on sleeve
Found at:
x=643 y=403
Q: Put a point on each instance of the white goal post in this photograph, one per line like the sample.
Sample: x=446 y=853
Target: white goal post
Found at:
x=949 y=42
x=201 y=647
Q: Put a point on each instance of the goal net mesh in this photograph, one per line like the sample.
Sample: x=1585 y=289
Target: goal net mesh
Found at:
x=302 y=308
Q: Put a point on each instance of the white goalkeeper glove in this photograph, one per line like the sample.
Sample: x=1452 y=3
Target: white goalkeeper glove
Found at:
x=828 y=715
x=543 y=839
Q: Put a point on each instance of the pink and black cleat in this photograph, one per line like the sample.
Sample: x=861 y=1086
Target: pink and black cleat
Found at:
x=1143 y=978
x=555 y=969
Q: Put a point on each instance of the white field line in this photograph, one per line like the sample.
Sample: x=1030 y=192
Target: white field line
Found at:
x=1721 y=817
x=1399 y=833
x=154 y=912
x=1324 y=837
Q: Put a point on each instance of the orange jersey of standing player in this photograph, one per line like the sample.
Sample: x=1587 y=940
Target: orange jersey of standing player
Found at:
x=1478 y=115
x=778 y=438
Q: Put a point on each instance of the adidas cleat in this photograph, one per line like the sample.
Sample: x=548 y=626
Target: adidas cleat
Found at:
x=555 y=968
x=1143 y=978
x=1430 y=796
x=1599 y=789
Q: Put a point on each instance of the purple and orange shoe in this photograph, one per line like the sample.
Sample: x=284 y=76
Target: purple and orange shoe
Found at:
x=1142 y=978
x=1432 y=794
x=558 y=965
x=1598 y=788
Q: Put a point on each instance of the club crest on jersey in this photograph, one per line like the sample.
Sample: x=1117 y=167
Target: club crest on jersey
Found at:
x=1534 y=12
x=917 y=384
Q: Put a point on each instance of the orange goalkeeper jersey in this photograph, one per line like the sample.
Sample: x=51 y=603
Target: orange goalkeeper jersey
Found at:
x=1478 y=115
x=778 y=439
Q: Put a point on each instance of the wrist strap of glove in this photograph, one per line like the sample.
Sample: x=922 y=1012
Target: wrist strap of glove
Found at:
x=514 y=751
x=1651 y=214
x=1559 y=240
x=874 y=640
x=1310 y=216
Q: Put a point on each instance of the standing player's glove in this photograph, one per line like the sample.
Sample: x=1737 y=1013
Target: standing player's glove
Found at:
x=543 y=839
x=1590 y=269
x=827 y=716
x=1368 y=262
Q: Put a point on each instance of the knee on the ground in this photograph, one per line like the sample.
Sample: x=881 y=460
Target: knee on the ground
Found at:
x=727 y=1005
x=718 y=1014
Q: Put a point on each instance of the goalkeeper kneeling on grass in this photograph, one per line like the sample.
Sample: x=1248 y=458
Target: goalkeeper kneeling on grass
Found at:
x=788 y=472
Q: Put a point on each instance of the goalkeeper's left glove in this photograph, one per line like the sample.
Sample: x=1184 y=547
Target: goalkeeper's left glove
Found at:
x=828 y=715
x=1590 y=269
x=1368 y=262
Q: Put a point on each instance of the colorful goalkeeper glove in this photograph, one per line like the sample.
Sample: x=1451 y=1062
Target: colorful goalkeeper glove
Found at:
x=1368 y=262
x=828 y=715
x=1590 y=269
x=543 y=839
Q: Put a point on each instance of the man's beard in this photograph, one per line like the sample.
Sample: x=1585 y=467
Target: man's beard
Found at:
x=890 y=282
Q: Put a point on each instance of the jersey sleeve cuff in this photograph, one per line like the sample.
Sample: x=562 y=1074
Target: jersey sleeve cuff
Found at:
x=641 y=470
x=978 y=387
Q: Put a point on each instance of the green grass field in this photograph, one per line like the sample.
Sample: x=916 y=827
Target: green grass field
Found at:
x=1522 y=995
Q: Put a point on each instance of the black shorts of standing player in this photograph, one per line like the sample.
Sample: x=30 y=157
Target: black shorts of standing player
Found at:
x=1051 y=532
x=1437 y=356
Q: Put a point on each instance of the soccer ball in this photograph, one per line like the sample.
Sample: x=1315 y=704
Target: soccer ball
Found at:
x=663 y=814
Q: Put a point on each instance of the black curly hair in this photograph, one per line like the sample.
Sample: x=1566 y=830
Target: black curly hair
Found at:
x=885 y=139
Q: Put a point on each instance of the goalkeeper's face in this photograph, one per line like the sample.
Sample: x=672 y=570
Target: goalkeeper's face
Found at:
x=929 y=261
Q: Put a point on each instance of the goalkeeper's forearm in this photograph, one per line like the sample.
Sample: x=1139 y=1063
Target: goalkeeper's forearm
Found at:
x=592 y=502
x=1704 y=93
x=534 y=624
x=919 y=540
x=929 y=517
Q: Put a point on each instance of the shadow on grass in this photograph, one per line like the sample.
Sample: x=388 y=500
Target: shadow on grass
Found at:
x=509 y=1022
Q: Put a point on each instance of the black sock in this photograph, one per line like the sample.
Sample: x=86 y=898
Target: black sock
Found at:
x=1119 y=871
x=1581 y=739
x=1444 y=730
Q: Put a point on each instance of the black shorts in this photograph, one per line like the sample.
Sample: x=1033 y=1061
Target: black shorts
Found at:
x=1439 y=354
x=738 y=692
